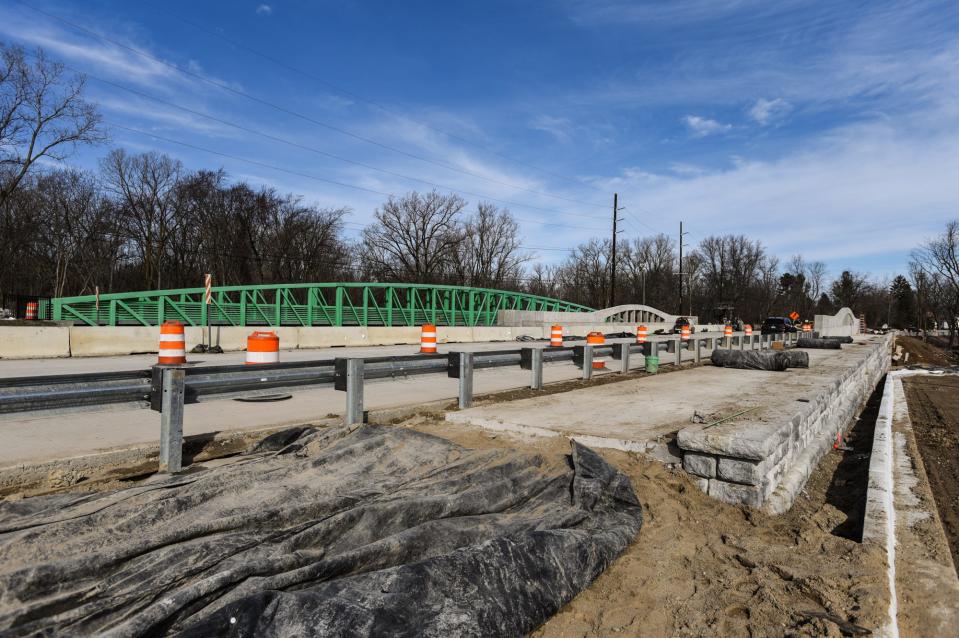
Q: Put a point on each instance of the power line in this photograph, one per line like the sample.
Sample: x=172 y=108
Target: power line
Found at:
x=287 y=111
x=379 y=106
x=312 y=149
x=309 y=176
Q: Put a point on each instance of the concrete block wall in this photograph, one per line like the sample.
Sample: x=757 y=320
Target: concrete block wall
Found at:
x=765 y=465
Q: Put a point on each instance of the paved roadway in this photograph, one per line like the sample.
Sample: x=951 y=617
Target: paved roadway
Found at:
x=26 y=437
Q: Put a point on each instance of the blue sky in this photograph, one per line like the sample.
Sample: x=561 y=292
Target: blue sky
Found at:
x=829 y=129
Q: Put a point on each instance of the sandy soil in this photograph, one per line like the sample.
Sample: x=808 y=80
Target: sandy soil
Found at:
x=700 y=567
x=934 y=412
x=923 y=353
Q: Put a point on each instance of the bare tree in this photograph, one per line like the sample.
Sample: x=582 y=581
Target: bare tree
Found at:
x=490 y=255
x=42 y=114
x=415 y=238
x=146 y=188
x=938 y=260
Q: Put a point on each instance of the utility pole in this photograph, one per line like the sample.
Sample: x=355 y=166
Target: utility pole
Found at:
x=681 y=234
x=612 y=272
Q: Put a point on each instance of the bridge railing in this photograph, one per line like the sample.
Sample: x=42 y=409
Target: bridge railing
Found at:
x=320 y=304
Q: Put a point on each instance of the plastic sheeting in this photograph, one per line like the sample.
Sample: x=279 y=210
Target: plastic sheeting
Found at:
x=797 y=358
x=364 y=531
x=750 y=359
x=819 y=344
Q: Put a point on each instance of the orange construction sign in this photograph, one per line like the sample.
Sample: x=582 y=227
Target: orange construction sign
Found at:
x=794 y=315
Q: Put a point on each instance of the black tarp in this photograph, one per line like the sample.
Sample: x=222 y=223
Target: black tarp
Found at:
x=347 y=531
x=819 y=344
x=750 y=359
x=843 y=339
x=797 y=358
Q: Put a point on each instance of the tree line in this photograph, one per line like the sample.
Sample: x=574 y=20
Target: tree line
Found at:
x=143 y=221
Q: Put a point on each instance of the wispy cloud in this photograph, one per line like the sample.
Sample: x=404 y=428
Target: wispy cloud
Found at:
x=264 y=9
x=558 y=127
x=767 y=111
x=702 y=126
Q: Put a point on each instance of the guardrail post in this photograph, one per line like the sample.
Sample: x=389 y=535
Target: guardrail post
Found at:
x=742 y=342
x=461 y=367
x=532 y=359
x=697 y=349
x=587 y=363
x=348 y=377
x=171 y=420
x=621 y=353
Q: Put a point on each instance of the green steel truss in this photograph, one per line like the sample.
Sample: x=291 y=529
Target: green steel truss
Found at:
x=332 y=304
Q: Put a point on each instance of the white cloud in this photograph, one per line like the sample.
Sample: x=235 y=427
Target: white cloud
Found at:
x=861 y=196
x=767 y=111
x=559 y=127
x=264 y=9
x=703 y=126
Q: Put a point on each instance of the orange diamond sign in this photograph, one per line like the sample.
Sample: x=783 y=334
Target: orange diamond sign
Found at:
x=794 y=315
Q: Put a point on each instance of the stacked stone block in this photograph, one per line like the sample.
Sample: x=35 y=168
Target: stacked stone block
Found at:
x=766 y=463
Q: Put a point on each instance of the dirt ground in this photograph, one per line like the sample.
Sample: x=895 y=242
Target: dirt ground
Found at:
x=926 y=353
x=934 y=412
x=700 y=567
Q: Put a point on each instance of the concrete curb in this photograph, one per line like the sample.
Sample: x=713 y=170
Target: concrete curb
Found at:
x=923 y=584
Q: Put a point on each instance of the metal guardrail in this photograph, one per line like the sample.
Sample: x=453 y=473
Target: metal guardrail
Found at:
x=168 y=388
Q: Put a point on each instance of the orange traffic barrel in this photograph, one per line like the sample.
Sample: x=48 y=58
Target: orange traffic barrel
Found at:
x=728 y=331
x=172 y=343
x=807 y=327
x=428 y=339
x=748 y=329
x=597 y=339
x=684 y=333
x=262 y=347
x=32 y=310
x=641 y=333
x=556 y=337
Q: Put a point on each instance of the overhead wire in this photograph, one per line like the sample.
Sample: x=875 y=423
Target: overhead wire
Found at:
x=309 y=176
x=318 y=151
x=225 y=87
x=378 y=105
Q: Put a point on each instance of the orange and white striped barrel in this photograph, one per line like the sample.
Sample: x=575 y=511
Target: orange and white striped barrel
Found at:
x=807 y=327
x=728 y=332
x=641 y=333
x=556 y=336
x=748 y=329
x=428 y=339
x=172 y=344
x=684 y=333
x=32 y=310
x=262 y=347
x=597 y=339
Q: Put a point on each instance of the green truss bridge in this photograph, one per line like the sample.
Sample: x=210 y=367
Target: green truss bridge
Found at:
x=327 y=304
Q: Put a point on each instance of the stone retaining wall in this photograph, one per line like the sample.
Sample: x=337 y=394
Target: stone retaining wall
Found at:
x=765 y=463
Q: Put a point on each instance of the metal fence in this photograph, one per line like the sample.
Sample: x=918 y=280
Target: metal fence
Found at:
x=323 y=304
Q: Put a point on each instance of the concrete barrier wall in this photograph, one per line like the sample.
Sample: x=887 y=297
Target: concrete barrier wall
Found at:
x=25 y=342
x=31 y=342
x=766 y=464
x=841 y=324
